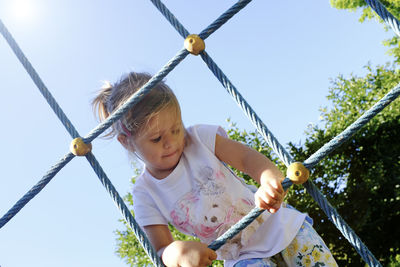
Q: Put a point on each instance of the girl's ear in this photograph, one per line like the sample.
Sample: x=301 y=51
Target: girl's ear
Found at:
x=123 y=139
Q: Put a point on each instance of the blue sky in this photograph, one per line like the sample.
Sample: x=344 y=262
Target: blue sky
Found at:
x=280 y=55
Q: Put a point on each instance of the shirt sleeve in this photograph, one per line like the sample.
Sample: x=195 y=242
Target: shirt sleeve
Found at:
x=145 y=210
x=207 y=133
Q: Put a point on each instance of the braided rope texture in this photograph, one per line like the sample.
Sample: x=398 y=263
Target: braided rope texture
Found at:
x=381 y=10
x=35 y=189
x=38 y=81
x=268 y=136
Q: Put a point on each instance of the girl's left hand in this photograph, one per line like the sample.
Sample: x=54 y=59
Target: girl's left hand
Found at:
x=270 y=195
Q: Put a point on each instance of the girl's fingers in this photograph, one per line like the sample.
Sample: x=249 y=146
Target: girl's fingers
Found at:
x=213 y=255
x=261 y=204
x=273 y=192
x=211 y=258
x=263 y=200
x=268 y=197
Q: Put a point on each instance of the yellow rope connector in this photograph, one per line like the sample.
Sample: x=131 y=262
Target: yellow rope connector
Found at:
x=297 y=173
x=79 y=148
x=194 y=44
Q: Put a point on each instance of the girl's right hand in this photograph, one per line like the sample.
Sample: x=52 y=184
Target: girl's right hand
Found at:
x=188 y=254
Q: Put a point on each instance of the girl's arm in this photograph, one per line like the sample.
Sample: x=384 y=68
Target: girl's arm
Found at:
x=179 y=253
x=270 y=194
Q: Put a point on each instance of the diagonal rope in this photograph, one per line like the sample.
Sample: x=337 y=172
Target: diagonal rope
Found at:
x=103 y=178
x=36 y=189
x=140 y=235
x=353 y=128
x=271 y=140
x=248 y=110
x=38 y=81
x=243 y=222
x=171 y=18
x=341 y=225
x=223 y=18
x=207 y=31
x=285 y=157
x=381 y=10
x=138 y=96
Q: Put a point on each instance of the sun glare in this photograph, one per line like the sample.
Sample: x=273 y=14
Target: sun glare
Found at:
x=23 y=10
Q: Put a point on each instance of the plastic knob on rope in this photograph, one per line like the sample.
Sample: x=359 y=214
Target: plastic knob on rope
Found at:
x=80 y=148
x=298 y=173
x=194 y=44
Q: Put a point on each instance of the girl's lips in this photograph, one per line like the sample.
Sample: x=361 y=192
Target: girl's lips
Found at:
x=171 y=154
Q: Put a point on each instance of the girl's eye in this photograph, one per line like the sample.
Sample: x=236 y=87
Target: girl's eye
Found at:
x=156 y=140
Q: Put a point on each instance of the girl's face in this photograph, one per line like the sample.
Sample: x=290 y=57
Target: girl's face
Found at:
x=160 y=144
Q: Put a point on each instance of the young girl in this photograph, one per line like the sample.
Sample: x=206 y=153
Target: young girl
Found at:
x=186 y=183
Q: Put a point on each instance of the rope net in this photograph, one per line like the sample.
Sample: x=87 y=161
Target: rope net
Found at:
x=329 y=210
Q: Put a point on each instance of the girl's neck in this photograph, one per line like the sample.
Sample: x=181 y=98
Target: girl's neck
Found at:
x=161 y=174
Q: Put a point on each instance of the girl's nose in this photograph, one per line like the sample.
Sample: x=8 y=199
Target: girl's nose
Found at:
x=168 y=141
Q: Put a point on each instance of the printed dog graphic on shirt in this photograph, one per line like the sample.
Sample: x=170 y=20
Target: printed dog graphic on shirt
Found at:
x=207 y=212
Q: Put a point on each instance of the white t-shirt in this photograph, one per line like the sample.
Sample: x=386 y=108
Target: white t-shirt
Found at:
x=203 y=198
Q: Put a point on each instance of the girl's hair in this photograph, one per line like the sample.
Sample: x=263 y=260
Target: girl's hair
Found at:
x=112 y=96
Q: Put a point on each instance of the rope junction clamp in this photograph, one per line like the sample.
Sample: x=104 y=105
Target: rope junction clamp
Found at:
x=297 y=173
x=194 y=44
x=80 y=148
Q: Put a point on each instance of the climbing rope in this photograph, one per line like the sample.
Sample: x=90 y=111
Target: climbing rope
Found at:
x=82 y=146
x=38 y=81
x=353 y=128
x=381 y=10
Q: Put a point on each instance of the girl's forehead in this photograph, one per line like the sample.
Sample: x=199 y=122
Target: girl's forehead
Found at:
x=163 y=120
